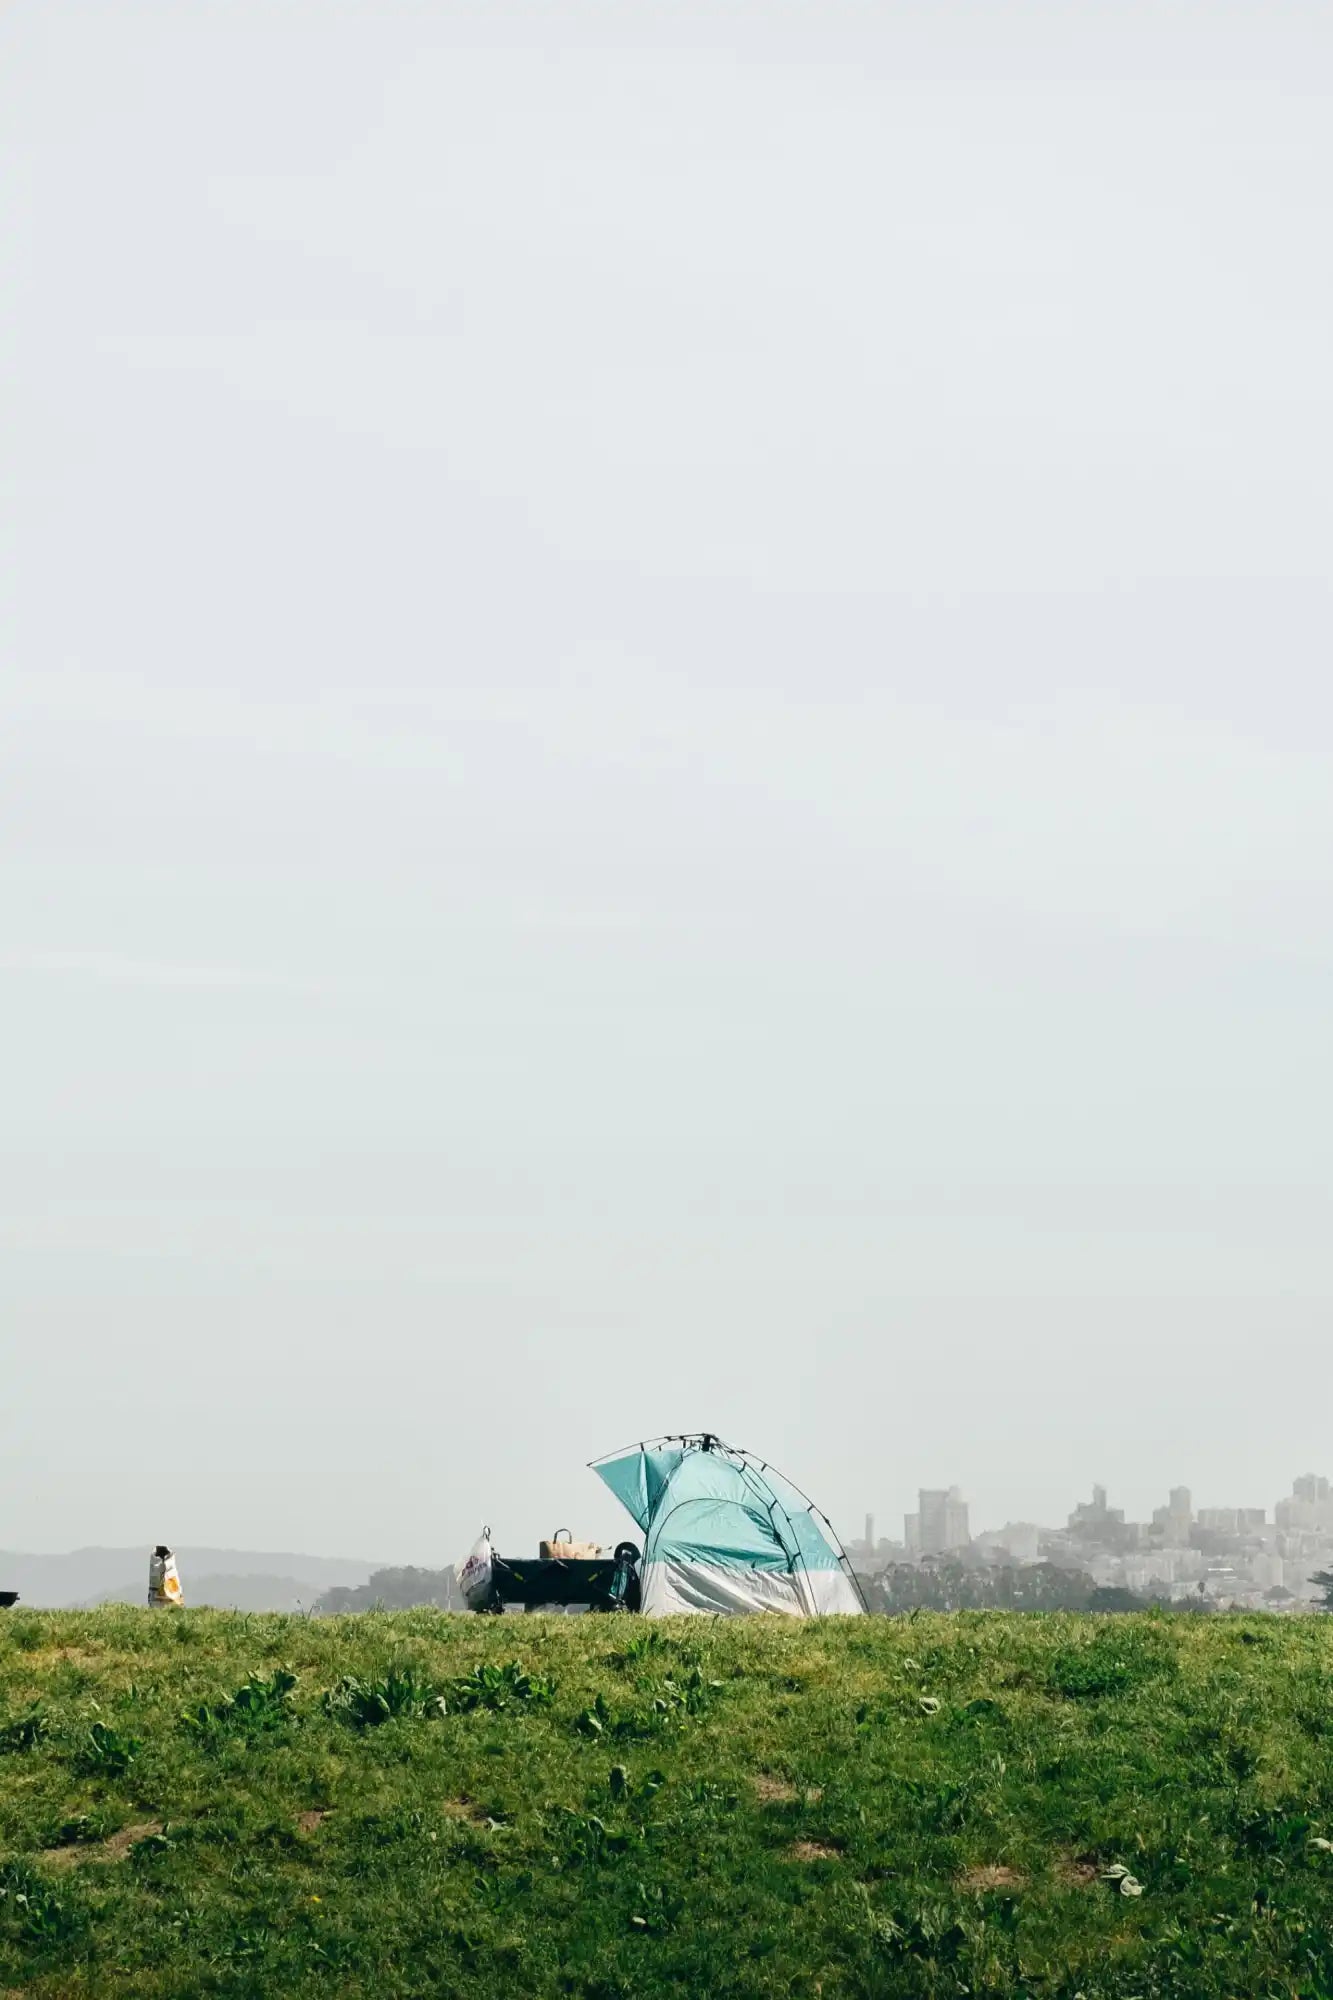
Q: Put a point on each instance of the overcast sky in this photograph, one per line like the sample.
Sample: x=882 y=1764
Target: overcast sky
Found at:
x=667 y=759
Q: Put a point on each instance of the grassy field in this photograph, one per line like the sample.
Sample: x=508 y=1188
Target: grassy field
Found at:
x=206 y=1803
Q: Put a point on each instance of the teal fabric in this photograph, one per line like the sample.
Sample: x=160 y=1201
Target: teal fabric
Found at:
x=798 y=1524
x=625 y=1478
x=639 y=1478
x=710 y=1513
x=809 y=1538
x=717 y=1507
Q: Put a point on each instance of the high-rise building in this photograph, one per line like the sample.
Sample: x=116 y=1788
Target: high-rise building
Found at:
x=1094 y=1519
x=930 y=1513
x=1174 y=1521
x=942 y=1520
x=957 y=1534
x=1310 y=1507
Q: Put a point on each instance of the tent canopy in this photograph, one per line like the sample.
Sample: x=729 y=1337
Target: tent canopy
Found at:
x=724 y=1531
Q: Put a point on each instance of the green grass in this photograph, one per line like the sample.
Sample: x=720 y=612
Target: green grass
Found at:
x=200 y=1803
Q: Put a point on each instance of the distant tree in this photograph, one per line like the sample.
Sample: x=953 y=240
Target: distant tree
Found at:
x=1189 y=1606
x=393 y=1590
x=1324 y=1579
x=954 y=1586
x=1114 y=1597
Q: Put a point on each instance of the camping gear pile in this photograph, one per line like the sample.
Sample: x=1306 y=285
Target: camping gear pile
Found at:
x=724 y=1532
x=567 y=1575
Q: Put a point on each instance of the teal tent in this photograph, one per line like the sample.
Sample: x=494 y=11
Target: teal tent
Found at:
x=724 y=1531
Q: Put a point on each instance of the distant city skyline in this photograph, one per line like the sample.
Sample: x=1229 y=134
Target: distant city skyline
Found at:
x=1231 y=1555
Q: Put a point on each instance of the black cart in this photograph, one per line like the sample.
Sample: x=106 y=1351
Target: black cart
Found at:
x=606 y=1583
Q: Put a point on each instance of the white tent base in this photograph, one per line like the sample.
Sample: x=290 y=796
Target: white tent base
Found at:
x=670 y=1588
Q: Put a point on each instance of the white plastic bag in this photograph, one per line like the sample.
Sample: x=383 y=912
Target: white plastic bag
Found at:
x=164 y=1585
x=475 y=1573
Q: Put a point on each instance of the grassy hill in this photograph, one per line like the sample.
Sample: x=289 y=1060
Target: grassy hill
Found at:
x=205 y=1803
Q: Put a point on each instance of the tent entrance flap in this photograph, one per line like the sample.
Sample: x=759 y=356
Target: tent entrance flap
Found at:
x=639 y=1477
x=625 y=1478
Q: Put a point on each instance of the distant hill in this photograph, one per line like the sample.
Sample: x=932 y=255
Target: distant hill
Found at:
x=230 y=1593
x=96 y=1576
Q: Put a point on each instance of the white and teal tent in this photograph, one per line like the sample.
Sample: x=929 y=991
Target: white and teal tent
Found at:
x=723 y=1531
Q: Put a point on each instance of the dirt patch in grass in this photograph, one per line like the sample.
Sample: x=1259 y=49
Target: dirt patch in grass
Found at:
x=993 y=1875
x=74 y=1656
x=114 y=1848
x=771 y=1791
x=1077 y=1872
x=118 y=1845
x=814 y=1850
x=310 y=1822
x=465 y=1808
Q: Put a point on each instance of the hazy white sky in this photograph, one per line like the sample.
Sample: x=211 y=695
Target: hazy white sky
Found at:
x=667 y=758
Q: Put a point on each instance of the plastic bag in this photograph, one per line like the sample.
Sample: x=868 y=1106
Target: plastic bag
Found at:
x=164 y=1584
x=476 y=1572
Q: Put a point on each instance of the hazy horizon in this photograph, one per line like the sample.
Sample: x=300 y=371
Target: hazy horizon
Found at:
x=615 y=1527
x=668 y=760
